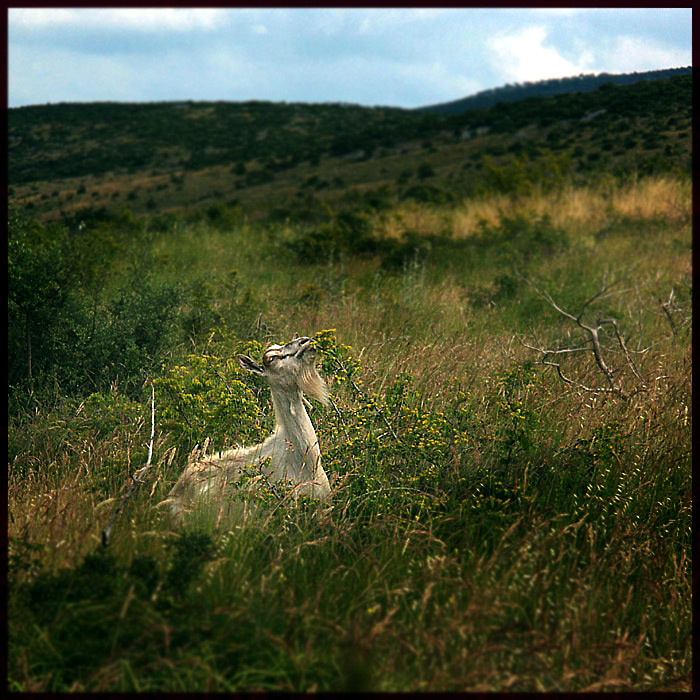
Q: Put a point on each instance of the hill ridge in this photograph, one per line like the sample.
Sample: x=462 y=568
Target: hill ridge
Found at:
x=547 y=88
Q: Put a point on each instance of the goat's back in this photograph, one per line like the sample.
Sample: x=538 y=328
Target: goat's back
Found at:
x=207 y=480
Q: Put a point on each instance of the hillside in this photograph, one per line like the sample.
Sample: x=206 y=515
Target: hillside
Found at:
x=73 y=159
x=548 y=88
x=501 y=305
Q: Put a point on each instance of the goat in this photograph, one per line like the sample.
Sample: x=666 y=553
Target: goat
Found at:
x=290 y=454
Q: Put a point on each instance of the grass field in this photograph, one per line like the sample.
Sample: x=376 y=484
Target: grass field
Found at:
x=493 y=526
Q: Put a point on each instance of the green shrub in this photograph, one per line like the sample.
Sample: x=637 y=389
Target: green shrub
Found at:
x=347 y=231
x=519 y=239
x=425 y=170
x=429 y=194
x=67 y=334
x=40 y=307
x=400 y=254
x=522 y=174
x=105 y=412
x=205 y=397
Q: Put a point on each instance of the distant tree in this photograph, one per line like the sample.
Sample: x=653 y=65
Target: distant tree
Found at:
x=425 y=170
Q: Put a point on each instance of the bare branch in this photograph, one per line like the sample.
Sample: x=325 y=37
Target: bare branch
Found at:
x=557 y=351
x=591 y=344
x=568 y=380
x=621 y=341
x=546 y=297
x=598 y=353
x=666 y=307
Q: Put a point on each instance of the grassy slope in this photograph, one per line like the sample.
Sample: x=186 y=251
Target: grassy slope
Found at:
x=544 y=544
x=168 y=157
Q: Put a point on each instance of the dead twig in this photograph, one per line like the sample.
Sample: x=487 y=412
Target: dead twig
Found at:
x=591 y=344
x=137 y=478
x=667 y=307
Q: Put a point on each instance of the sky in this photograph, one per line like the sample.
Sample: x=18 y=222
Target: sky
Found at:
x=390 y=57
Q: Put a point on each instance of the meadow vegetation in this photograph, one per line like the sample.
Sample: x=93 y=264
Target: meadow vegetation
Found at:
x=493 y=526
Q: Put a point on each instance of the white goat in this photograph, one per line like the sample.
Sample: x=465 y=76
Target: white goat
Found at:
x=290 y=454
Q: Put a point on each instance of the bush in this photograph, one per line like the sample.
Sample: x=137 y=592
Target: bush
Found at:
x=410 y=249
x=519 y=176
x=425 y=170
x=429 y=194
x=519 y=239
x=68 y=336
x=40 y=307
x=349 y=231
x=205 y=397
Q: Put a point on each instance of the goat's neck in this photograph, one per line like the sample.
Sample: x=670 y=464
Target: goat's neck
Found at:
x=295 y=427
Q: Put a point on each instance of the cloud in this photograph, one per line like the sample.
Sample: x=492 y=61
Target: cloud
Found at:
x=142 y=20
x=633 y=53
x=522 y=56
x=389 y=19
x=400 y=56
x=212 y=75
x=538 y=52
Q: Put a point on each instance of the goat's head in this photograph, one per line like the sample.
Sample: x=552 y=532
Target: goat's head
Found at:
x=289 y=367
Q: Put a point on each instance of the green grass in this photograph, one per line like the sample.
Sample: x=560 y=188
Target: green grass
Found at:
x=492 y=528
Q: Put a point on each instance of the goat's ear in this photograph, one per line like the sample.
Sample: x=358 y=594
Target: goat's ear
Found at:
x=250 y=365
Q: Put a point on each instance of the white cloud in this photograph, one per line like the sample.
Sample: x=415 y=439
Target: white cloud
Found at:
x=522 y=56
x=528 y=55
x=630 y=53
x=32 y=18
x=366 y=22
x=131 y=19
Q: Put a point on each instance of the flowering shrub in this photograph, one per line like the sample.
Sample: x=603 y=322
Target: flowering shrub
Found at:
x=391 y=456
x=335 y=361
x=207 y=398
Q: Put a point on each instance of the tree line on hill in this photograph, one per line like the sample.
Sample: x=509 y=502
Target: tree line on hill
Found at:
x=548 y=88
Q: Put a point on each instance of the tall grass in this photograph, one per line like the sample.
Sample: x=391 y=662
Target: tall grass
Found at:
x=492 y=528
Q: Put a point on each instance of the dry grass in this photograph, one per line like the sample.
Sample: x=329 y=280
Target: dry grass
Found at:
x=575 y=209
